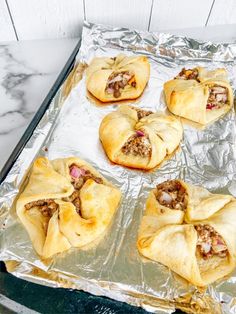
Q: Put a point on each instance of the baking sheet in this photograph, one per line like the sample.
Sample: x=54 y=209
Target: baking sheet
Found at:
x=113 y=267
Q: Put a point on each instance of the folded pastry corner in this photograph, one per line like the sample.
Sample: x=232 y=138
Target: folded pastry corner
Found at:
x=64 y=197
x=170 y=199
x=199 y=95
x=55 y=241
x=139 y=138
x=203 y=204
x=118 y=78
x=94 y=216
x=36 y=204
x=219 y=74
x=202 y=250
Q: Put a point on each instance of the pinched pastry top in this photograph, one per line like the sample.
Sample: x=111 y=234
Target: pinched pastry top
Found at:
x=65 y=203
x=119 y=78
x=190 y=230
x=199 y=95
x=138 y=138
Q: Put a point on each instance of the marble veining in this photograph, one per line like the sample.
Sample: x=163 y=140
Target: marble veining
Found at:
x=27 y=72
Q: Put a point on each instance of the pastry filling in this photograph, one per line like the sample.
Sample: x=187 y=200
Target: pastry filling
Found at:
x=142 y=113
x=138 y=145
x=172 y=195
x=117 y=82
x=79 y=176
x=46 y=207
x=218 y=97
x=209 y=242
x=188 y=74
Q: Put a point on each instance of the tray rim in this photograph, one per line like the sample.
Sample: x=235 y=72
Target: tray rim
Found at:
x=68 y=67
x=64 y=73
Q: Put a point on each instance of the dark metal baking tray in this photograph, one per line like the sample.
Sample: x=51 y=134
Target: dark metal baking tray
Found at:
x=20 y=296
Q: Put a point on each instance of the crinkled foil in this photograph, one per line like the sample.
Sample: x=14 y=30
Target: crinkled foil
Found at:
x=113 y=267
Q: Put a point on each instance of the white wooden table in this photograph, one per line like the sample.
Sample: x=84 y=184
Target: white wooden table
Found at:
x=33 y=19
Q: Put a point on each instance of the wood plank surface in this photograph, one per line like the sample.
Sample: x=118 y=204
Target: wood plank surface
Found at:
x=127 y=13
x=6 y=27
x=167 y=14
x=223 y=12
x=36 y=19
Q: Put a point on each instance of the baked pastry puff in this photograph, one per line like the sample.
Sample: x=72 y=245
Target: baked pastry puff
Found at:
x=199 y=95
x=138 y=138
x=190 y=230
x=119 y=78
x=65 y=203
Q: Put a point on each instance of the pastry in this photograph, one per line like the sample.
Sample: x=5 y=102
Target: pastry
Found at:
x=119 y=78
x=169 y=199
x=190 y=230
x=199 y=95
x=65 y=203
x=138 y=138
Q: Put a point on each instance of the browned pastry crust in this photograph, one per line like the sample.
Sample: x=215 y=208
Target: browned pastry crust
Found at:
x=65 y=203
x=119 y=78
x=190 y=230
x=199 y=95
x=138 y=138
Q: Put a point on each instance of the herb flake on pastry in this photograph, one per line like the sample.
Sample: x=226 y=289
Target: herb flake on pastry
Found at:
x=199 y=95
x=139 y=138
x=201 y=250
x=65 y=203
x=118 y=78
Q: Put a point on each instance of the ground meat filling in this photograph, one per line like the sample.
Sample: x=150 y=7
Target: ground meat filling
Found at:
x=117 y=82
x=79 y=176
x=172 y=194
x=188 y=74
x=218 y=97
x=142 y=113
x=138 y=145
x=46 y=207
x=210 y=243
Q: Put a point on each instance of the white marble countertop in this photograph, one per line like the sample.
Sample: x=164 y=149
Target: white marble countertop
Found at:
x=28 y=69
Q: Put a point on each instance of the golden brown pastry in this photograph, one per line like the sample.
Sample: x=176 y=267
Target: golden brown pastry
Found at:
x=138 y=138
x=65 y=203
x=119 y=78
x=190 y=230
x=199 y=95
x=169 y=199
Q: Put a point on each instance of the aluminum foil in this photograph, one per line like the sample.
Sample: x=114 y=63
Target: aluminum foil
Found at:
x=112 y=267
